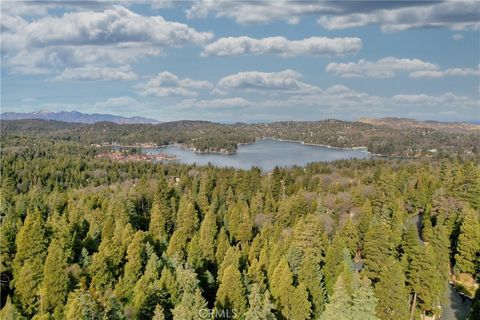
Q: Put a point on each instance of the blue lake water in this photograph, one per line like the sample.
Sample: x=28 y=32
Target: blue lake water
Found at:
x=265 y=154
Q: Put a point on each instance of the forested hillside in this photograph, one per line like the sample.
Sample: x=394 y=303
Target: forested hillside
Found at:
x=88 y=238
x=215 y=137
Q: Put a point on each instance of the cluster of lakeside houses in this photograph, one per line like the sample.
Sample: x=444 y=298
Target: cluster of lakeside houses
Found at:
x=127 y=157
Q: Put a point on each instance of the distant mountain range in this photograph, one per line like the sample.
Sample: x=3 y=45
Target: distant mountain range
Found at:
x=403 y=123
x=75 y=116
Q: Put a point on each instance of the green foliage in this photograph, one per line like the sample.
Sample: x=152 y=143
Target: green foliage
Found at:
x=468 y=247
x=391 y=292
x=10 y=312
x=377 y=248
x=84 y=237
x=231 y=293
x=360 y=303
x=260 y=306
x=31 y=244
x=81 y=305
x=54 y=289
x=339 y=306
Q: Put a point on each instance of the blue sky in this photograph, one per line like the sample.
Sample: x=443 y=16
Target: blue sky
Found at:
x=243 y=61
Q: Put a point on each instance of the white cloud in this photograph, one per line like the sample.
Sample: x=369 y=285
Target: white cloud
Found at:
x=390 y=15
x=91 y=73
x=286 y=81
x=457 y=36
x=383 y=68
x=114 y=25
x=226 y=103
x=118 y=102
x=456 y=15
x=452 y=72
x=218 y=92
x=168 y=84
x=314 y=46
x=389 y=67
x=113 y=36
x=447 y=99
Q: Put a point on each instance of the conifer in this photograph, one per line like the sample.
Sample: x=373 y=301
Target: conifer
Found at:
x=260 y=306
x=391 y=292
x=231 y=293
x=54 y=288
x=468 y=246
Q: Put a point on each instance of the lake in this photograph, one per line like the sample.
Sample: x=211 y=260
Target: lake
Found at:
x=265 y=154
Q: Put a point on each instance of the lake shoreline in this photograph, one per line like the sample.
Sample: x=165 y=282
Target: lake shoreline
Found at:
x=229 y=153
x=263 y=153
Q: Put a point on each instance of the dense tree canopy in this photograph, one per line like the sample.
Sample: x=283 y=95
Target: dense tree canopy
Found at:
x=89 y=238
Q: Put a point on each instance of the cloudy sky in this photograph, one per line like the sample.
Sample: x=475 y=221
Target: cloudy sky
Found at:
x=243 y=61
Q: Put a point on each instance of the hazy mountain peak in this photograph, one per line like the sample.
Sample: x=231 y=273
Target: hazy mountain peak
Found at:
x=75 y=116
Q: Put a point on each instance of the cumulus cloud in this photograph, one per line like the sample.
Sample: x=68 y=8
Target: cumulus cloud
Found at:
x=226 y=103
x=92 y=73
x=314 y=46
x=452 y=72
x=285 y=81
x=113 y=36
x=390 y=15
x=456 y=15
x=168 y=84
x=389 y=67
x=383 y=68
x=446 y=99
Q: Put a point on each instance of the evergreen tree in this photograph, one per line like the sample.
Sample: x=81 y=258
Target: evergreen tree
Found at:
x=364 y=302
x=339 y=306
x=113 y=310
x=222 y=246
x=185 y=226
x=256 y=274
x=424 y=280
x=136 y=256
x=410 y=241
x=53 y=291
x=350 y=237
x=208 y=232
x=145 y=291
x=260 y=306
x=378 y=247
x=333 y=262
x=159 y=221
x=231 y=293
x=28 y=263
x=299 y=307
x=232 y=257
x=468 y=247
x=309 y=236
x=245 y=228
x=311 y=275
x=471 y=185
x=105 y=267
x=392 y=293
x=194 y=253
x=281 y=285
x=82 y=306
x=8 y=232
x=10 y=311
x=190 y=306
x=365 y=219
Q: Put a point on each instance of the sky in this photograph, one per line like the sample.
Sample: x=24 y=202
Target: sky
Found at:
x=245 y=61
